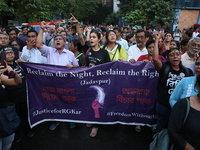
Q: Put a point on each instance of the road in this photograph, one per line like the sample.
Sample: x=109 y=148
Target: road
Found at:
x=109 y=137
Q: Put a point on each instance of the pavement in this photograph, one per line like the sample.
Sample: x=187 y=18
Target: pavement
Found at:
x=109 y=137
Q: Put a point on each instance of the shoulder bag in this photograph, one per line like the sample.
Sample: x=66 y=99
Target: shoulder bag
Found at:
x=161 y=140
x=9 y=120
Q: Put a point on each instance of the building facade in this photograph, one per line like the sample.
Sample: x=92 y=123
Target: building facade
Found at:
x=189 y=14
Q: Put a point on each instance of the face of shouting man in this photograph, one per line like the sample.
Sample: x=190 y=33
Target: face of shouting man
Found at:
x=59 y=42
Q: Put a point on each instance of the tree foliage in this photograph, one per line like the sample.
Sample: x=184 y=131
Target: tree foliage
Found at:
x=38 y=10
x=148 y=12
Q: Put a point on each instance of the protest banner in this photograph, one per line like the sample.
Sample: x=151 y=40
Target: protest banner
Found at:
x=114 y=92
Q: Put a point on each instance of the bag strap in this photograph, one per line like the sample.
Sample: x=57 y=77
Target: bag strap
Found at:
x=79 y=55
x=188 y=109
x=86 y=55
x=50 y=40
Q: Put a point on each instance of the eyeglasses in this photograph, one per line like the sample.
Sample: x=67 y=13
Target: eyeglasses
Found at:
x=3 y=38
x=140 y=37
x=195 y=45
x=33 y=36
x=8 y=53
x=12 y=34
x=14 y=45
x=197 y=63
x=174 y=54
x=111 y=34
x=58 y=39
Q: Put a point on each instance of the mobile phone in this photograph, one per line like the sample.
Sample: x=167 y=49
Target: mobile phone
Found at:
x=3 y=59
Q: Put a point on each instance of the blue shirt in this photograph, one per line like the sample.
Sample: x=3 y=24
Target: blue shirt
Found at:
x=123 y=43
x=185 y=88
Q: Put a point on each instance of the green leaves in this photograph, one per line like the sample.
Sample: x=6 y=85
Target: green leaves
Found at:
x=38 y=10
x=148 y=12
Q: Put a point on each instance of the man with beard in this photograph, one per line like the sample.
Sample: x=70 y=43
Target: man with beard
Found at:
x=56 y=56
x=49 y=37
x=135 y=51
x=189 y=57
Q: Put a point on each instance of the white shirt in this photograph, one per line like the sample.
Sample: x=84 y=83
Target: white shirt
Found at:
x=186 y=60
x=194 y=34
x=33 y=55
x=134 y=52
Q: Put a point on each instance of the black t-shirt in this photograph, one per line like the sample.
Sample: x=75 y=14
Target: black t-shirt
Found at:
x=94 y=58
x=17 y=93
x=190 y=131
x=168 y=82
x=3 y=96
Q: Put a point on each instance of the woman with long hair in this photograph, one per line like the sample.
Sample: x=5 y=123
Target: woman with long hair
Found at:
x=186 y=135
x=115 y=50
x=6 y=142
x=170 y=73
x=94 y=55
x=76 y=48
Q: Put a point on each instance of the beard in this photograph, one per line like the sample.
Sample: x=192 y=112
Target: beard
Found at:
x=194 y=51
x=140 y=44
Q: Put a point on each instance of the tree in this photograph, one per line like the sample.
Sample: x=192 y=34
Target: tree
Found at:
x=38 y=10
x=149 y=12
x=112 y=19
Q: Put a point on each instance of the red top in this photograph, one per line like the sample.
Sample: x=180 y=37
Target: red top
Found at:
x=143 y=57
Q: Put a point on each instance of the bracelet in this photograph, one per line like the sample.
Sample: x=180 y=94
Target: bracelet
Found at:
x=11 y=74
x=42 y=28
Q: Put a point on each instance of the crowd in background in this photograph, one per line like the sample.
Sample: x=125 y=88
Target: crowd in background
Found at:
x=175 y=55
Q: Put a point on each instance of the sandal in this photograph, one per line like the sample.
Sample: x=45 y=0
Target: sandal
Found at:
x=138 y=128
x=94 y=132
x=88 y=125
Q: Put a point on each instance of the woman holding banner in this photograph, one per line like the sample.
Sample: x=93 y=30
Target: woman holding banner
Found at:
x=170 y=73
x=94 y=55
x=6 y=142
x=115 y=50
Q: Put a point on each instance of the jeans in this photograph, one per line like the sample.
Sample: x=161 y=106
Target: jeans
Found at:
x=163 y=114
x=6 y=142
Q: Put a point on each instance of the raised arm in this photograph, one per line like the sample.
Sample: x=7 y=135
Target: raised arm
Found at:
x=39 y=40
x=89 y=29
x=80 y=34
x=157 y=62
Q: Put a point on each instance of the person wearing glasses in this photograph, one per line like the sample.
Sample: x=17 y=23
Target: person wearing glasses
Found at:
x=17 y=94
x=30 y=52
x=115 y=50
x=4 y=41
x=135 y=51
x=189 y=57
x=171 y=73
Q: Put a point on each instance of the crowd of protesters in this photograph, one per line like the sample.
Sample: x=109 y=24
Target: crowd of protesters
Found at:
x=175 y=55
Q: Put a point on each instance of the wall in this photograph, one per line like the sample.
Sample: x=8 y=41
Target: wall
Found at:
x=188 y=18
